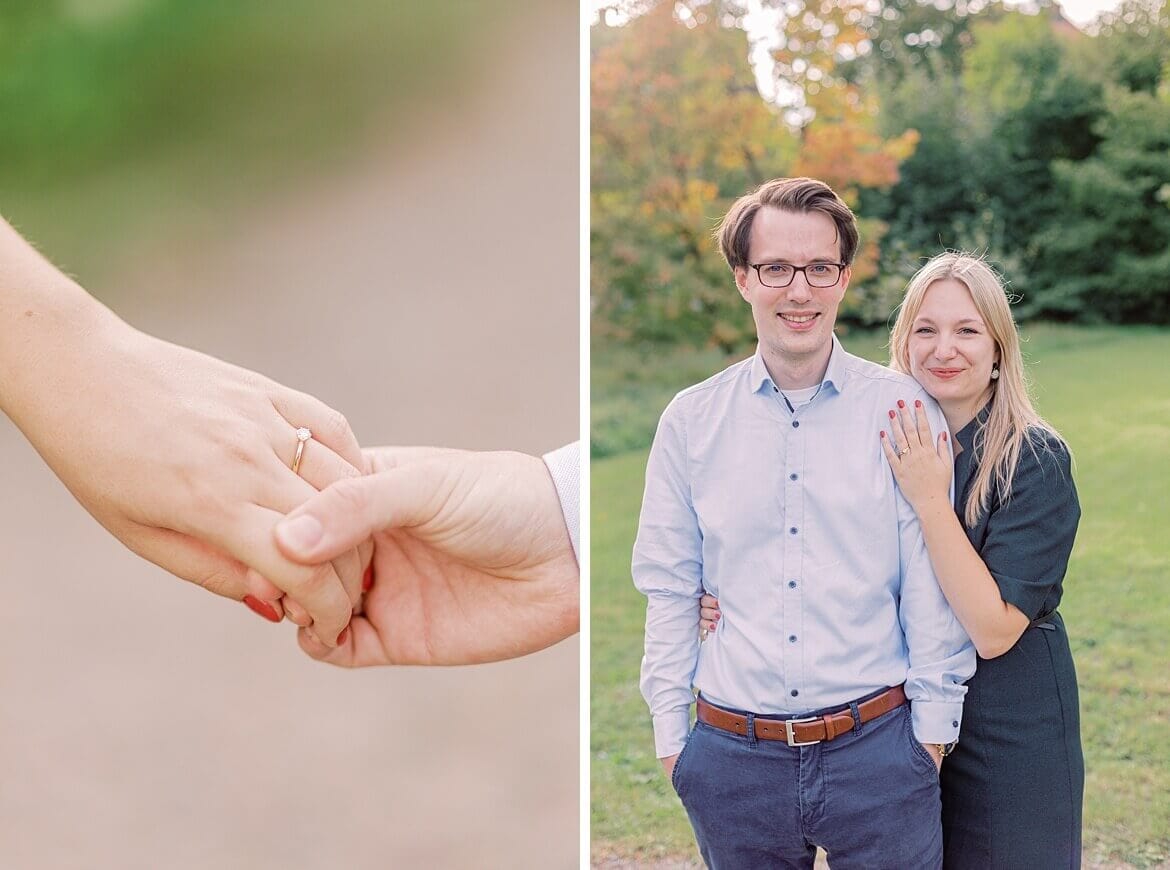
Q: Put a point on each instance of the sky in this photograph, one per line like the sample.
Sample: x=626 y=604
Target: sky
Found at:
x=1083 y=11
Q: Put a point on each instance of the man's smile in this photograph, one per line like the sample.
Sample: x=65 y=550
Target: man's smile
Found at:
x=799 y=320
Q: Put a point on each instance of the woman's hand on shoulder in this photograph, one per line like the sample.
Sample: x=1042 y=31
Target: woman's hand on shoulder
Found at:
x=922 y=464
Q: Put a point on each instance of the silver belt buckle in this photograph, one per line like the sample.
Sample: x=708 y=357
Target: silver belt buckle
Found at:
x=792 y=741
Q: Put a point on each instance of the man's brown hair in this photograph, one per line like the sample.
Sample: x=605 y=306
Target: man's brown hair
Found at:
x=800 y=195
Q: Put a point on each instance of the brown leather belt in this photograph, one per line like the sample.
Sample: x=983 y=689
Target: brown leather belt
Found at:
x=810 y=729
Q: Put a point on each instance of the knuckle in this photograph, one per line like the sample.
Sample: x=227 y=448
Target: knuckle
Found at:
x=334 y=425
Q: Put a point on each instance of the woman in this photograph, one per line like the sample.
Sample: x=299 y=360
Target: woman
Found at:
x=1012 y=786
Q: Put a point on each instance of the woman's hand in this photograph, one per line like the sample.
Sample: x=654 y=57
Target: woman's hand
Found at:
x=184 y=458
x=472 y=559
x=187 y=460
x=922 y=467
x=709 y=614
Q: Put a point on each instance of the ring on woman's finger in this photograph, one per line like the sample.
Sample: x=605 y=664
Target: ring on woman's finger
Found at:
x=303 y=435
x=903 y=452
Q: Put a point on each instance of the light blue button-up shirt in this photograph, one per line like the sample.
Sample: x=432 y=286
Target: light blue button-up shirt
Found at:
x=793 y=519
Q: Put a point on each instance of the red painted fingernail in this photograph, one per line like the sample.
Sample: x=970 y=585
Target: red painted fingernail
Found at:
x=891 y=415
x=917 y=403
x=901 y=404
x=883 y=433
x=368 y=579
x=262 y=607
x=944 y=436
x=343 y=637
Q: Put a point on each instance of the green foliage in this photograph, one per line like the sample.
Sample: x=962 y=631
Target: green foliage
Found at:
x=1108 y=257
x=678 y=132
x=1043 y=148
x=678 y=129
x=1116 y=604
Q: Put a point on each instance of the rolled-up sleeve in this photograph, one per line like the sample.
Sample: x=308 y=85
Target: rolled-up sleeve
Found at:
x=1030 y=535
x=941 y=655
x=667 y=569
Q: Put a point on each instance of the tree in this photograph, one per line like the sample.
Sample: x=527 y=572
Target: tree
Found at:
x=678 y=131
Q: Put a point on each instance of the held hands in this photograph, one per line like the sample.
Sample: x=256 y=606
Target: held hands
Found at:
x=186 y=459
x=921 y=467
x=472 y=561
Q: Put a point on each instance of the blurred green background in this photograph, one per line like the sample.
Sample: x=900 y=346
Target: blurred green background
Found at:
x=996 y=128
x=134 y=118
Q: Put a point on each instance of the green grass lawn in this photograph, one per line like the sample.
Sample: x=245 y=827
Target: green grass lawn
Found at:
x=1108 y=391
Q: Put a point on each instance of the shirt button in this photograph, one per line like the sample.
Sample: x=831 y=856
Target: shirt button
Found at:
x=793 y=476
x=795 y=424
x=794 y=693
x=792 y=531
x=791 y=584
x=792 y=638
x=954 y=724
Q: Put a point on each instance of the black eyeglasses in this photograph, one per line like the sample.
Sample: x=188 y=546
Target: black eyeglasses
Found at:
x=779 y=275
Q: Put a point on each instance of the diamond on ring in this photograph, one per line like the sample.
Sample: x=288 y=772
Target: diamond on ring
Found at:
x=303 y=435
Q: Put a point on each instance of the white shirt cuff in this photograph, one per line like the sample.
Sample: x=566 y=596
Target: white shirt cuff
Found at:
x=564 y=464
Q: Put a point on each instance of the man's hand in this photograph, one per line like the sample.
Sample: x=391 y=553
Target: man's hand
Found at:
x=472 y=560
x=935 y=753
x=668 y=765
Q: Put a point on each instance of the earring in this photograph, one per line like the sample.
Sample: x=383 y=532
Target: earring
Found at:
x=995 y=371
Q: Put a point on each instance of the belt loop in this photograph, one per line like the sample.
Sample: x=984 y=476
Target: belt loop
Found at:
x=856 y=714
x=751 y=730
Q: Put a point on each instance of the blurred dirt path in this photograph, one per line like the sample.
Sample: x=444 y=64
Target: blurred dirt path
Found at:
x=146 y=724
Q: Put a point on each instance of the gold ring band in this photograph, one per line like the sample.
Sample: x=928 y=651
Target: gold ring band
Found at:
x=303 y=435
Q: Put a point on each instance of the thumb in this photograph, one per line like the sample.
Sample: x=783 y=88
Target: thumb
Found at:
x=351 y=510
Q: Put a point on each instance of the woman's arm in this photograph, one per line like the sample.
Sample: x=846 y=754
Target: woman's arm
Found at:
x=184 y=458
x=924 y=475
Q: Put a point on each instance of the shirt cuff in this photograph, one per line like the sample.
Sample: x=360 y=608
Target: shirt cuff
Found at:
x=936 y=721
x=670 y=733
x=564 y=465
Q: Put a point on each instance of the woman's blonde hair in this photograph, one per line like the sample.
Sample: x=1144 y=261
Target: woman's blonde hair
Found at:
x=999 y=438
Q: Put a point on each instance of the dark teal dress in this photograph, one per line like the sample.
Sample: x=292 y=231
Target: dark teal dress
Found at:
x=1012 y=789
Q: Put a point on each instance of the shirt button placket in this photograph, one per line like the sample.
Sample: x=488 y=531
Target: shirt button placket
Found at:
x=794 y=535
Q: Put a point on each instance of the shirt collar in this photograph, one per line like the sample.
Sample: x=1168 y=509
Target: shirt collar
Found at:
x=834 y=373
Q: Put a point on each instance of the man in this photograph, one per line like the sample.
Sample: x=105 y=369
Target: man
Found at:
x=766 y=486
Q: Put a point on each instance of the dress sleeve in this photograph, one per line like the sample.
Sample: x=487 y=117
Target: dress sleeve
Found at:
x=1030 y=534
